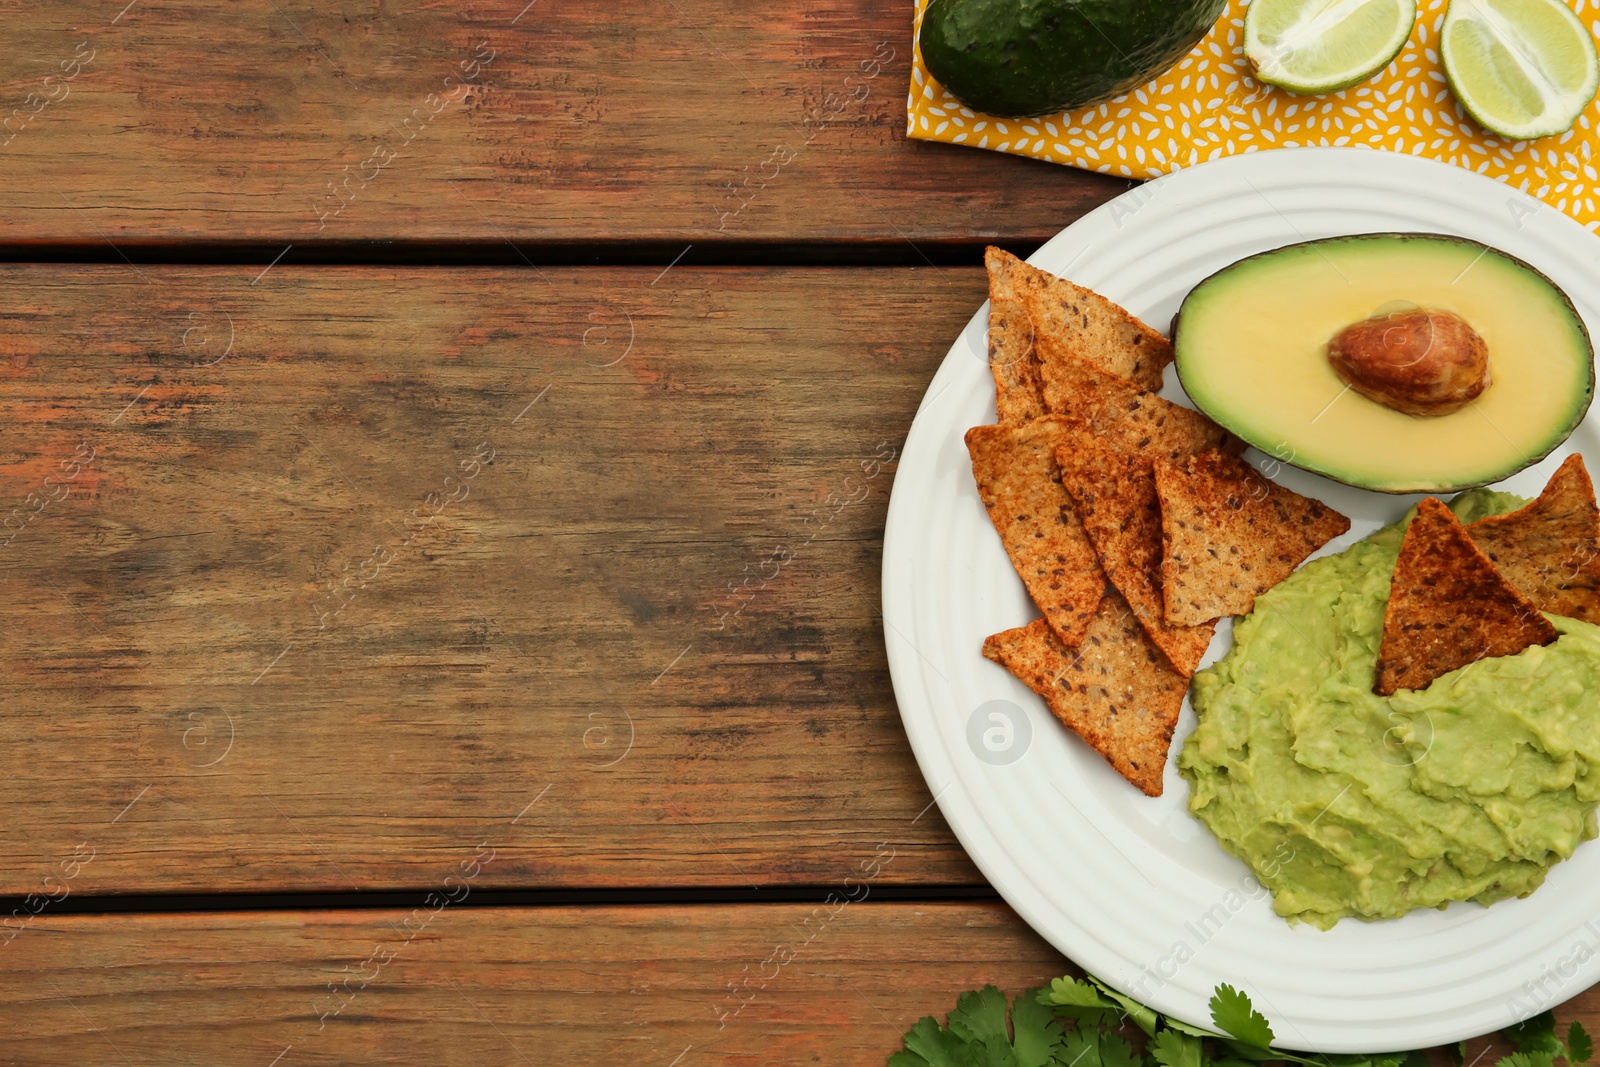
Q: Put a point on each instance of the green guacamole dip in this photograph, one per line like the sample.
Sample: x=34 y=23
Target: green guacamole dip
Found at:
x=1347 y=803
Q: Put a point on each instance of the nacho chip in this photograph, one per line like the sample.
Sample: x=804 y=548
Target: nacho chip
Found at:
x=1018 y=390
x=1550 y=549
x=1015 y=468
x=1116 y=690
x=1127 y=417
x=1448 y=606
x=1071 y=322
x=1228 y=535
x=1116 y=497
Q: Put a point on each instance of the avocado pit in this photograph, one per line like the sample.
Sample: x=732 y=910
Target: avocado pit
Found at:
x=1421 y=361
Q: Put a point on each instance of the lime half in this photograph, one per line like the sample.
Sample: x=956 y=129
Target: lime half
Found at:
x=1522 y=68
x=1321 y=46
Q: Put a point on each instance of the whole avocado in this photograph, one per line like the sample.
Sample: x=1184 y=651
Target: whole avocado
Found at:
x=1034 y=57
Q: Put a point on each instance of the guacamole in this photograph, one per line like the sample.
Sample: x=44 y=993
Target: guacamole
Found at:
x=1466 y=790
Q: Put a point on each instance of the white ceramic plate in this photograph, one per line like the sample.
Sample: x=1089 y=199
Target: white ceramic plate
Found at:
x=1132 y=888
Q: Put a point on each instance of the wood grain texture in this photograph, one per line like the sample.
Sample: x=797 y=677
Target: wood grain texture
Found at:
x=289 y=613
x=677 y=120
x=683 y=986
x=638 y=985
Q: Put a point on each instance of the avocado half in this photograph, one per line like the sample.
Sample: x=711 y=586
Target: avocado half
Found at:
x=1250 y=344
x=1034 y=57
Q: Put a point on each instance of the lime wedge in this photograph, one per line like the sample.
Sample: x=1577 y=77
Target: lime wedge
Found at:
x=1321 y=46
x=1521 y=68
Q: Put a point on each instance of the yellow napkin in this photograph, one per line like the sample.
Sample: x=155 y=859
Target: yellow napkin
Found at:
x=1208 y=106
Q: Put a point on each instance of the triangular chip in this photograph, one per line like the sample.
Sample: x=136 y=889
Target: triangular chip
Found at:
x=1116 y=497
x=1072 y=322
x=1018 y=391
x=1448 y=606
x=1015 y=468
x=1127 y=417
x=1228 y=535
x=1550 y=550
x=1116 y=690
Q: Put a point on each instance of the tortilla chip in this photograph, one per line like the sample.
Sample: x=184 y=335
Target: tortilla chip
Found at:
x=1072 y=322
x=1018 y=391
x=1550 y=549
x=1127 y=417
x=1116 y=497
x=1015 y=468
x=1228 y=535
x=1116 y=690
x=1448 y=606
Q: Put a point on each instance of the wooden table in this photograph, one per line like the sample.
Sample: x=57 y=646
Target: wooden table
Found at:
x=403 y=409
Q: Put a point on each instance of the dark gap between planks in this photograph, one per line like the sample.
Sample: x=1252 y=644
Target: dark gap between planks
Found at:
x=78 y=904
x=500 y=253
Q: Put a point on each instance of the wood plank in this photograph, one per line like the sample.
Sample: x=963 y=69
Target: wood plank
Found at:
x=683 y=121
x=645 y=985
x=274 y=621
x=683 y=986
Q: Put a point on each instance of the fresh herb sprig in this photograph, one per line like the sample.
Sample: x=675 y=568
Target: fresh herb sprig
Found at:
x=1073 y=1022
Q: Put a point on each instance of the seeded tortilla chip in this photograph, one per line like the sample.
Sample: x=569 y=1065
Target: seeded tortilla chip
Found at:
x=1018 y=391
x=1550 y=549
x=1228 y=535
x=1127 y=417
x=1015 y=468
x=1116 y=690
x=1071 y=322
x=1448 y=606
x=1115 y=493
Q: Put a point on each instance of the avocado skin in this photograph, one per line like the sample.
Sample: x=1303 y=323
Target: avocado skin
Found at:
x=1034 y=57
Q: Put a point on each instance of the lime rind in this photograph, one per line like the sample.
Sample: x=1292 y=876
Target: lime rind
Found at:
x=1322 y=46
x=1523 y=69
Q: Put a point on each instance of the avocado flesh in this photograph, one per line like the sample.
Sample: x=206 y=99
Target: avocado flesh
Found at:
x=1250 y=347
x=1034 y=57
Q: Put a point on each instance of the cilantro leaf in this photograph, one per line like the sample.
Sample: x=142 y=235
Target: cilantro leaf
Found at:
x=1538 y=1058
x=1069 y=992
x=1174 y=1049
x=929 y=1046
x=1116 y=1052
x=996 y=1052
x=1145 y=1018
x=1534 y=1034
x=980 y=1018
x=1233 y=1013
x=976 y=1034
x=1079 y=1000
x=1253 y=1054
x=1033 y=1030
x=1038 y=1031
x=1580 y=1049
x=1364 y=1059
x=1457 y=1053
x=1081 y=1048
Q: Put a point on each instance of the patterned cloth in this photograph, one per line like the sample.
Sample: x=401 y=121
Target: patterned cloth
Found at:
x=1208 y=106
